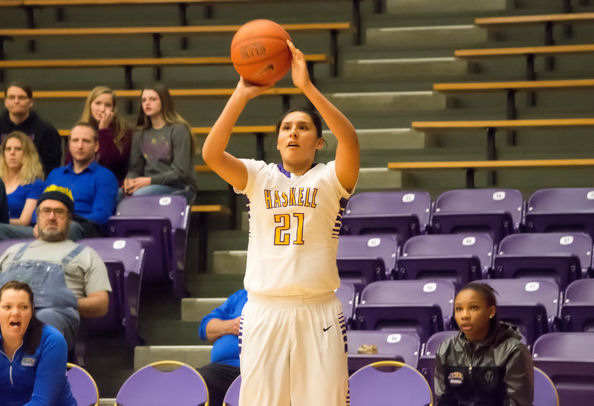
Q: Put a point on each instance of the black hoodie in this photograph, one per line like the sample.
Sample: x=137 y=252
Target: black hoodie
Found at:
x=44 y=136
x=495 y=372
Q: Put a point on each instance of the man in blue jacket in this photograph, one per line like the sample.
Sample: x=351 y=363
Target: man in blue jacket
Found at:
x=221 y=326
x=94 y=188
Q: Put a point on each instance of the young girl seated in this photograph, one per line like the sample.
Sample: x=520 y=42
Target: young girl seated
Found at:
x=486 y=363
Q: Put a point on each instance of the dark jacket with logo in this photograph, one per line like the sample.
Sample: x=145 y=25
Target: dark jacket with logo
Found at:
x=495 y=372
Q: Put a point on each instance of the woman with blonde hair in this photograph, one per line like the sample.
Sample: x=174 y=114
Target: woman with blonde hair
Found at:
x=162 y=148
x=115 y=133
x=22 y=173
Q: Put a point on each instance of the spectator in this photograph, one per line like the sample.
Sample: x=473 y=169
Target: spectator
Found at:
x=3 y=204
x=33 y=370
x=486 y=363
x=221 y=327
x=69 y=280
x=18 y=99
x=162 y=148
x=21 y=171
x=115 y=134
x=93 y=187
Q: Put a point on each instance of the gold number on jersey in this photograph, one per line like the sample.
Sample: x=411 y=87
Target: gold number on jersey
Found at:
x=281 y=234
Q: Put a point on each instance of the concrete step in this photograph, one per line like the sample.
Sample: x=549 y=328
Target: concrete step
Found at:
x=229 y=262
x=194 y=355
x=444 y=6
x=388 y=101
x=386 y=138
x=397 y=68
x=194 y=309
x=425 y=37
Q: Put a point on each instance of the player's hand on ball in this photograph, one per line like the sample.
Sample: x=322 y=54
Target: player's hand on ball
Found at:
x=298 y=67
x=250 y=90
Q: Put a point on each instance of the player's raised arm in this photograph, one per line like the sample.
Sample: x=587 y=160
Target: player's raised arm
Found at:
x=347 y=151
x=227 y=166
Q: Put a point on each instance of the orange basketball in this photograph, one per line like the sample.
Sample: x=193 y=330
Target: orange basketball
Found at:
x=260 y=53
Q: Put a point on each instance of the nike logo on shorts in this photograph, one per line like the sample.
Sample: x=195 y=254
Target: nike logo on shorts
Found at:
x=328 y=328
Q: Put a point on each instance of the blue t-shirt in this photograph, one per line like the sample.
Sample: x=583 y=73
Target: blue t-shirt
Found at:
x=37 y=379
x=225 y=350
x=18 y=198
x=94 y=190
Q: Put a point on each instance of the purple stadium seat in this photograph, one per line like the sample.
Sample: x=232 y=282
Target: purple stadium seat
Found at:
x=577 y=311
x=362 y=259
x=460 y=258
x=427 y=359
x=161 y=223
x=124 y=258
x=413 y=305
x=404 y=347
x=545 y=393
x=561 y=209
x=495 y=211
x=83 y=386
x=347 y=295
x=389 y=383
x=5 y=244
x=561 y=257
x=532 y=305
x=568 y=359
x=163 y=383
x=232 y=394
x=401 y=213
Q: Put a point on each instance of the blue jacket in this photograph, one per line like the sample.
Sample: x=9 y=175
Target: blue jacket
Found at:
x=94 y=190
x=225 y=350
x=38 y=379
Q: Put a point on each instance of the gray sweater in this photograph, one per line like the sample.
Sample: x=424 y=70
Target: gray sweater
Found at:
x=164 y=155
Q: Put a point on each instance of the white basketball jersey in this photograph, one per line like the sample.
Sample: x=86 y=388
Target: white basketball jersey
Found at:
x=294 y=225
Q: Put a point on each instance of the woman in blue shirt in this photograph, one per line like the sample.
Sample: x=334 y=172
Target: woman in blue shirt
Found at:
x=22 y=173
x=32 y=355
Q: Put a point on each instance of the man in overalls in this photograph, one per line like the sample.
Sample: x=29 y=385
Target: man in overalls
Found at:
x=68 y=279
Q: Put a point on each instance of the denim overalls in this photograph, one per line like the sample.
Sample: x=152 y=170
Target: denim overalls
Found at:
x=55 y=304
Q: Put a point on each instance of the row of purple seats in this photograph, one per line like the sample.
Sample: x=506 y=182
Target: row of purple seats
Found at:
x=499 y=212
x=461 y=258
x=426 y=307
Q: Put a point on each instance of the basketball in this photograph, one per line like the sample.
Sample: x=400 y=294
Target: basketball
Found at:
x=260 y=53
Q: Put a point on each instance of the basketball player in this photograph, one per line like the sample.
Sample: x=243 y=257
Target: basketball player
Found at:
x=292 y=334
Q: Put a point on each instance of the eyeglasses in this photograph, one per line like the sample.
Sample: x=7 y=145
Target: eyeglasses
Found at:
x=20 y=97
x=58 y=211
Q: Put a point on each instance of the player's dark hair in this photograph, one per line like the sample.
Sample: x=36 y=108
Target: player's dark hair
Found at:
x=313 y=114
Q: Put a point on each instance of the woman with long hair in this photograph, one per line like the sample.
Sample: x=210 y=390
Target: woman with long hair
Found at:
x=486 y=363
x=32 y=355
x=22 y=174
x=162 y=148
x=115 y=133
x=292 y=329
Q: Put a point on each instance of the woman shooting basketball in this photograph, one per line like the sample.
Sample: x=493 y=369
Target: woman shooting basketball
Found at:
x=292 y=336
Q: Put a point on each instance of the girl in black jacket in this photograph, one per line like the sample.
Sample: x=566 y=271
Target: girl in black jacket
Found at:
x=486 y=364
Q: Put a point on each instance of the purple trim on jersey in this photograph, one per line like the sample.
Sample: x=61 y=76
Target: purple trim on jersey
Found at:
x=287 y=173
x=338 y=222
x=283 y=171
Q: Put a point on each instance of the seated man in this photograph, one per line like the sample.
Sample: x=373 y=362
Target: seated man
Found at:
x=68 y=279
x=94 y=188
x=19 y=116
x=221 y=326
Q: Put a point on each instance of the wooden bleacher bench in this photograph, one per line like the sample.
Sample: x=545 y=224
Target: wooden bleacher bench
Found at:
x=157 y=32
x=529 y=53
x=471 y=166
x=512 y=87
x=492 y=126
x=129 y=63
x=489 y=22
x=526 y=85
x=524 y=51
